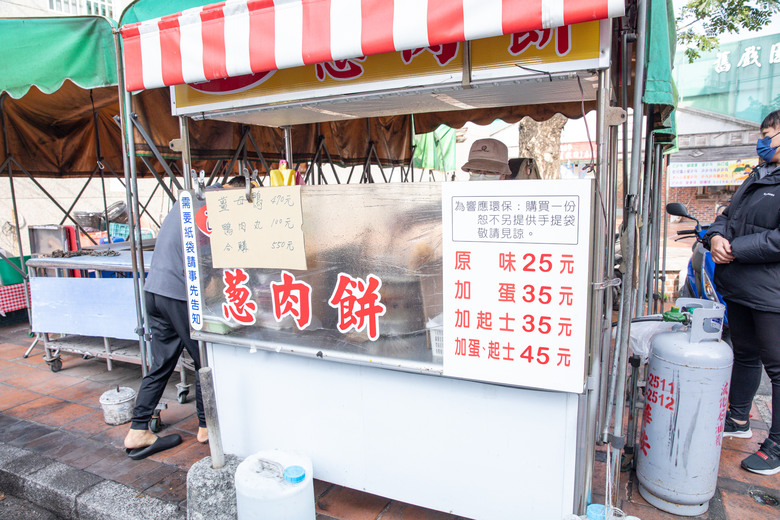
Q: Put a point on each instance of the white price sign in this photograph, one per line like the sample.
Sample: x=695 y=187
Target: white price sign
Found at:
x=516 y=281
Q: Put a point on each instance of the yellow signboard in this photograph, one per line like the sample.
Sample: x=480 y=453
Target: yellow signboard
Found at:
x=441 y=64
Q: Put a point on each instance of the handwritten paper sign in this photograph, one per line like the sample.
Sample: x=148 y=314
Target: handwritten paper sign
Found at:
x=516 y=282
x=264 y=233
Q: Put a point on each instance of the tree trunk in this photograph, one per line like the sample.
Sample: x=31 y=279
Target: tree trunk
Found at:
x=541 y=141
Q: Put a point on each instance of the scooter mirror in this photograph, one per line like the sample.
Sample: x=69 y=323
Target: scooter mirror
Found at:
x=677 y=209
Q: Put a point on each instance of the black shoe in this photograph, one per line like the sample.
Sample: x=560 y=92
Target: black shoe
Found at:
x=732 y=429
x=766 y=461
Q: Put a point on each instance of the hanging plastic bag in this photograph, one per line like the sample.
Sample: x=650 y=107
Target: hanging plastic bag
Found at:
x=285 y=176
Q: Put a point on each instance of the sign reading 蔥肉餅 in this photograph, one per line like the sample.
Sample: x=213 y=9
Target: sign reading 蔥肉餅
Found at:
x=516 y=281
x=265 y=232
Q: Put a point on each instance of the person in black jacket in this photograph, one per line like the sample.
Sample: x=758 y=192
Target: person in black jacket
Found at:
x=745 y=245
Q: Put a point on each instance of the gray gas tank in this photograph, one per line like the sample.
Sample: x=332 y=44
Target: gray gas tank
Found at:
x=686 y=395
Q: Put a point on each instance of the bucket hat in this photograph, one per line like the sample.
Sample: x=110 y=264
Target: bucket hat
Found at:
x=490 y=155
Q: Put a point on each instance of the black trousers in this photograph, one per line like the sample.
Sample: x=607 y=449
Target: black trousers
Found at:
x=169 y=324
x=756 y=338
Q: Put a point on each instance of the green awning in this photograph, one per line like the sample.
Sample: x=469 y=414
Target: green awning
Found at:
x=660 y=90
x=141 y=10
x=46 y=51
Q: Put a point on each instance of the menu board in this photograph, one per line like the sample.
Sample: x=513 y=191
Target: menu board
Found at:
x=264 y=230
x=516 y=275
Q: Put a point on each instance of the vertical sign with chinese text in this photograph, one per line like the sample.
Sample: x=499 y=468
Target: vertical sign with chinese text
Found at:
x=194 y=302
x=516 y=281
x=265 y=232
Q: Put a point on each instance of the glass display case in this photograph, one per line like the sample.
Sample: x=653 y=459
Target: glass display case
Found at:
x=371 y=292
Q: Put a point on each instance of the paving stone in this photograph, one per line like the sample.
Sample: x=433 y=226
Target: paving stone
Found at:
x=89 y=425
x=84 y=392
x=9 y=453
x=743 y=506
x=14 y=471
x=35 y=376
x=11 y=396
x=54 y=384
x=110 y=464
x=349 y=504
x=43 y=405
x=117 y=502
x=401 y=511
x=151 y=478
x=13 y=508
x=173 y=487
x=56 y=487
x=29 y=433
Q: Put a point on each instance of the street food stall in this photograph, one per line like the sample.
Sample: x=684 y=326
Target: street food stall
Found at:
x=409 y=338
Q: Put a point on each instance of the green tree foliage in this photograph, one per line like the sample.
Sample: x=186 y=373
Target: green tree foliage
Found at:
x=700 y=22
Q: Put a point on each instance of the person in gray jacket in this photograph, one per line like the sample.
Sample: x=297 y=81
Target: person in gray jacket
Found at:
x=745 y=245
x=166 y=307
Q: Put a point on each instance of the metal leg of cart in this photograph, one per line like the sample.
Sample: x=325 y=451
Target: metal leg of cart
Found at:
x=107 y=346
x=183 y=388
x=51 y=356
x=155 y=423
x=32 y=346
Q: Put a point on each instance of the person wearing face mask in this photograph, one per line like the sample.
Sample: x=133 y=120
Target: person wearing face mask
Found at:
x=745 y=245
x=488 y=161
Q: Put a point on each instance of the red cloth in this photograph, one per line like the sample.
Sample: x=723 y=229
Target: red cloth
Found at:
x=12 y=297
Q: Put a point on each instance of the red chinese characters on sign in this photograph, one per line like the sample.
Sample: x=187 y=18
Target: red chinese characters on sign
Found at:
x=443 y=54
x=510 y=313
x=540 y=38
x=462 y=261
x=292 y=297
x=238 y=306
x=723 y=404
x=358 y=303
x=341 y=70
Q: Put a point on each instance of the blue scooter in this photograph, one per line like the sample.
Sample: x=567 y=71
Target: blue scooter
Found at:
x=701 y=268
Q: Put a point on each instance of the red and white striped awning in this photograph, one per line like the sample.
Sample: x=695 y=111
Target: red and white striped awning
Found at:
x=239 y=37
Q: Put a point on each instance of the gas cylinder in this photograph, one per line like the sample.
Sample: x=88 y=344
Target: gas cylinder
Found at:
x=686 y=395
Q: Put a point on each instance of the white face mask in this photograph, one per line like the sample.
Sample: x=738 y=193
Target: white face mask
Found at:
x=484 y=176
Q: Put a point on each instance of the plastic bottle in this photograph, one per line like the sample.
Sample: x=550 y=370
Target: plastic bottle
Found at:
x=275 y=485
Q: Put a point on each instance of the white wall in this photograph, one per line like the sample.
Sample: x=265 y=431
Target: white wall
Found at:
x=24 y=8
x=36 y=209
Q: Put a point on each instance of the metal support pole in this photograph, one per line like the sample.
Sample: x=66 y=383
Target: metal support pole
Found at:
x=241 y=145
x=186 y=157
x=606 y=340
x=625 y=72
x=160 y=180
x=212 y=419
x=12 y=159
x=621 y=355
x=657 y=216
x=666 y=231
x=644 y=232
x=153 y=148
x=589 y=401
x=288 y=151
x=128 y=163
x=22 y=263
